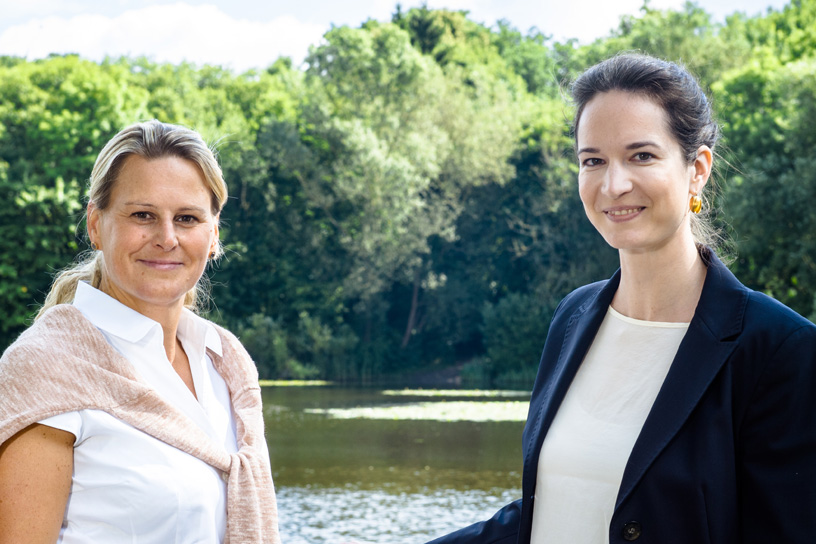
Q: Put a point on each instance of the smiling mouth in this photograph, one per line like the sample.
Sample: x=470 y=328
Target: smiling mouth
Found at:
x=628 y=211
x=163 y=265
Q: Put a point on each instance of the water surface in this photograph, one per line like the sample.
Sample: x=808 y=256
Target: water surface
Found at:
x=382 y=466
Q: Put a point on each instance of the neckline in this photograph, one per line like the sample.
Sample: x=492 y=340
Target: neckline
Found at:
x=643 y=323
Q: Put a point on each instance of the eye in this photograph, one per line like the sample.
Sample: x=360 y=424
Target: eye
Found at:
x=142 y=216
x=187 y=219
x=643 y=156
x=592 y=161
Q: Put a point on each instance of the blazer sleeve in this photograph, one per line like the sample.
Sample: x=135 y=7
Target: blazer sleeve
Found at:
x=777 y=447
x=502 y=528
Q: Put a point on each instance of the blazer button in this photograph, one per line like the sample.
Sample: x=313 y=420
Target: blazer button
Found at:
x=632 y=531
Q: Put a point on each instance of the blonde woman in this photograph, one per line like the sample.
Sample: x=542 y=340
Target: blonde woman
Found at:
x=124 y=416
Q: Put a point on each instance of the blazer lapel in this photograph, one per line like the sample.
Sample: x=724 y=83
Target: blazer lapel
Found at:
x=578 y=336
x=709 y=342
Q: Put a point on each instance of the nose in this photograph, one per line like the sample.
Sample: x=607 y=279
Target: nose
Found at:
x=165 y=235
x=617 y=181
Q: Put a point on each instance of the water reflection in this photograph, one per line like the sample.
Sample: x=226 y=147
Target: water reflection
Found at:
x=386 y=480
x=341 y=515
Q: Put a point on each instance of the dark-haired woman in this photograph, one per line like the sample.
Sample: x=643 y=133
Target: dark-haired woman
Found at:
x=672 y=404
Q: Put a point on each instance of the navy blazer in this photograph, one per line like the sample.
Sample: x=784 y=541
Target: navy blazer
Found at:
x=727 y=454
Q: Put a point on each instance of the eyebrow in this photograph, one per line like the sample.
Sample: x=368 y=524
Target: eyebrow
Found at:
x=183 y=209
x=633 y=145
x=638 y=145
x=588 y=150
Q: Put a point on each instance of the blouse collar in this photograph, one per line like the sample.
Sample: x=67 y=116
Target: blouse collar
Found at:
x=112 y=317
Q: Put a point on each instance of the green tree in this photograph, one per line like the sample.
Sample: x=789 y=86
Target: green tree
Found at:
x=768 y=115
x=55 y=115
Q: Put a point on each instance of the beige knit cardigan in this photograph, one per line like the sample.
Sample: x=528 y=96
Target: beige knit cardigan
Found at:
x=63 y=364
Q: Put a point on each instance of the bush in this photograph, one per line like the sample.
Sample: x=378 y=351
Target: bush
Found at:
x=475 y=373
x=311 y=350
x=514 y=330
x=267 y=342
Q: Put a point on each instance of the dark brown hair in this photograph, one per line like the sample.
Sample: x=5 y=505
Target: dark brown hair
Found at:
x=673 y=88
x=670 y=85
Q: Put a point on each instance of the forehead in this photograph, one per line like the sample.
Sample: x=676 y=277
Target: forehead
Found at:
x=619 y=116
x=163 y=177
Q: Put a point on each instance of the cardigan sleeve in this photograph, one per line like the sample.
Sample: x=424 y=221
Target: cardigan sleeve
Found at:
x=777 y=447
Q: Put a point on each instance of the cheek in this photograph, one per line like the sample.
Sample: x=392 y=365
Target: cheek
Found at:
x=128 y=239
x=585 y=194
x=202 y=242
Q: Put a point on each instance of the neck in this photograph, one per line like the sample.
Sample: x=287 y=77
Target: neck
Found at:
x=167 y=316
x=661 y=285
x=169 y=319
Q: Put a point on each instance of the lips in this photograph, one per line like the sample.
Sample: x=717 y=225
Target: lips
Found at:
x=623 y=212
x=161 y=264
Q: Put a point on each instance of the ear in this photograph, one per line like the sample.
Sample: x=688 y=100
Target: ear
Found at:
x=93 y=214
x=702 y=169
x=214 y=243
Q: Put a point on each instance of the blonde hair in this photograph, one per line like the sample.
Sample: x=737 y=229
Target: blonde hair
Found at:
x=151 y=140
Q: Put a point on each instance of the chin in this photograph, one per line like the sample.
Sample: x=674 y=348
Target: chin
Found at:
x=164 y=298
x=635 y=246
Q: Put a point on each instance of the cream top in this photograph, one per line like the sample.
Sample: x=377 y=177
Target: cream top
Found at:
x=586 y=449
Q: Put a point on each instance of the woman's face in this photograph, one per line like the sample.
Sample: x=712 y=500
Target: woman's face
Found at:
x=633 y=179
x=156 y=233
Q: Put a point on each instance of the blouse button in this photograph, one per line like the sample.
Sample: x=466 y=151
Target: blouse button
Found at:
x=225 y=476
x=632 y=531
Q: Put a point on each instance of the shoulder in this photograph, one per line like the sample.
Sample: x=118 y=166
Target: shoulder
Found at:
x=581 y=298
x=762 y=310
x=228 y=340
x=54 y=331
x=41 y=370
x=585 y=292
x=217 y=338
x=233 y=354
x=731 y=311
x=769 y=339
x=770 y=326
x=759 y=313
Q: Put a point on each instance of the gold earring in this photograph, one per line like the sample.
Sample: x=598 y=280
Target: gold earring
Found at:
x=212 y=255
x=695 y=204
x=93 y=246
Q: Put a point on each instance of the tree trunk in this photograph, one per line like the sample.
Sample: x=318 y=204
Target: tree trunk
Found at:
x=412 y=316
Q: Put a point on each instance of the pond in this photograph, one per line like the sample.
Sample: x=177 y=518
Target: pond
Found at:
x=377 y=466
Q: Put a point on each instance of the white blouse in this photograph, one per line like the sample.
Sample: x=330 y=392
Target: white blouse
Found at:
x=127 y=486
x=586 y=449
